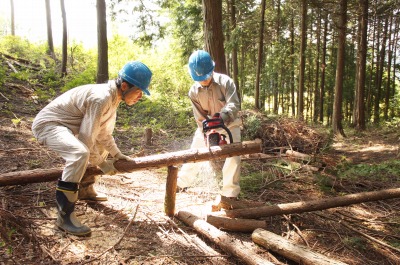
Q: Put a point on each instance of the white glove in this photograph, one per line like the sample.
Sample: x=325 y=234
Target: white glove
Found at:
x=121 y=156
x=107 y=166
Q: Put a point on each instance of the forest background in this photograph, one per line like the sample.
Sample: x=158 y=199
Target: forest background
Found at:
x=324 y=62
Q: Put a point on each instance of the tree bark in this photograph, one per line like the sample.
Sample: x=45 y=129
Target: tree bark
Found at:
x=49 y=30
x=102 y=44
x=222 y=239
x=362 y=59
x=170 y=191
x=338 y=98
x=300 y=104
x=64 y=40
x=315 y=205
x=298 y=253
x=259 y=57
x=213 y=35
x=12 y=18
x=235 y=225
x=139 y=163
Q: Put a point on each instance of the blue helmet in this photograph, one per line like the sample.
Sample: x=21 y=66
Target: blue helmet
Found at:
x=137 y=74
x=201 y=66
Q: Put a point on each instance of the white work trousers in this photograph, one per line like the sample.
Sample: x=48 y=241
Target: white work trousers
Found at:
x=76 y=154
x=230 y=171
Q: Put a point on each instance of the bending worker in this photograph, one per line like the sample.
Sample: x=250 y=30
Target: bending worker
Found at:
x=213 y=94
x=78 y=126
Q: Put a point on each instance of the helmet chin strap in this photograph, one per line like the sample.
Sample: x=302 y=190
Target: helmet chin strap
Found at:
x=126 y=92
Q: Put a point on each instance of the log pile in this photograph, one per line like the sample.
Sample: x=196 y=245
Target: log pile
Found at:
x=245 y=216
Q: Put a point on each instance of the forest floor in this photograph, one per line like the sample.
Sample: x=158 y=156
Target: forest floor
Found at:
x=131 y=227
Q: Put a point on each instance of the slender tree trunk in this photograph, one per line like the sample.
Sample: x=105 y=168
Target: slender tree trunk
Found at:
x=317 y=67
x=387 y=94
x=379 y=73
x=323 y=64
x=362 y=59
x=293 y=104
x=393 y=82
x=12 y=18
x=102 y=44
x=50 y=47
x=213 y=35
x=338 y=98
x=235 y=65
x=300 y=104
x=259 y=57
x=64 y=40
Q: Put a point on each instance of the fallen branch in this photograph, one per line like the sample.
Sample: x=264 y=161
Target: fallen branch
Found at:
x=222 y=239
x=139 y=163
x=315 y=205
x=298 y=253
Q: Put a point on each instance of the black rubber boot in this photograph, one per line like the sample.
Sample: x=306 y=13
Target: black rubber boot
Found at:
x=66 y=197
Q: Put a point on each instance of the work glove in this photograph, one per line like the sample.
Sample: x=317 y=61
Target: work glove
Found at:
x=107 y=166
x=120 y=156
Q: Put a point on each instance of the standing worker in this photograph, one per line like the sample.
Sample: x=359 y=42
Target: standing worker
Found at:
x=213 y=95
x=78 y=126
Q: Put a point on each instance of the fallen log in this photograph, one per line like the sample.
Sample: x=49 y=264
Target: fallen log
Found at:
x=315 y=205
x=222 y=239
x=298 y=253
x=235 y=225
x=139 y=163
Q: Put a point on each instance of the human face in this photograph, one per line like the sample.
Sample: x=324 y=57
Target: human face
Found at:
x=206 y=82
x=133 y=96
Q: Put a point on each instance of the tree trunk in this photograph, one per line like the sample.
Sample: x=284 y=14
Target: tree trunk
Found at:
x=300 y=103
x=259 y=57
x=323 y=67
x=293 y=104
x=50 y=47
x=317 y=67
x=315 y=205
x=388 y=90
x=139 y=163
x=298 y=253
x=64 y=40
x=362 y=59
x=12 y=18
x=338 y=97
x=235 y=66
x=213 y=35
x=379 y=74
x=102 y=45
x=223 y=240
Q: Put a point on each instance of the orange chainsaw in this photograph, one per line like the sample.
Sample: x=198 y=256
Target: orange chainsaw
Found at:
x=211 y=136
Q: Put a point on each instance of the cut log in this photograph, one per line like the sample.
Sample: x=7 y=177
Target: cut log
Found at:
x=170 y=191
x=235 y=225
x=139 y=163
x=298 y=253
x=222 y=239
x=233 y=204
x=298 y=155
x=315 y=205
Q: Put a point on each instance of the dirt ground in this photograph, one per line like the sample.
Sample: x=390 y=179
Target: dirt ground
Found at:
x=131 y=227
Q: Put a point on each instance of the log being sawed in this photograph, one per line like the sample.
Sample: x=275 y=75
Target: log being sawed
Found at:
x=140 y=163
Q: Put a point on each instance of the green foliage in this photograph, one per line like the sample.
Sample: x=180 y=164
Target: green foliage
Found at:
x=355 y=242
x=253 y=125
x=386 y=171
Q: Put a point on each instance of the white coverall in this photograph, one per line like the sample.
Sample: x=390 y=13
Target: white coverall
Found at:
x=78 y=126
x=219 y=97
